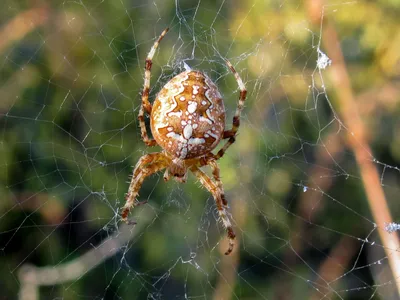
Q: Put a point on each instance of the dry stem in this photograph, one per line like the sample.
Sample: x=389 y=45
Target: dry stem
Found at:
x=32 y=278
x=356 y=137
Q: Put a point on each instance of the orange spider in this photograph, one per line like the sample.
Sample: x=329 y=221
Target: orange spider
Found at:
x=188 y=121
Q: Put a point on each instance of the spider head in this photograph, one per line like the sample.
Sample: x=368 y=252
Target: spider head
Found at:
x=177 y=169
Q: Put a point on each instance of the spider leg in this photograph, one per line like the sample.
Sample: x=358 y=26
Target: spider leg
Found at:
x=147 y=165
x=231 y=134
x=146 y=106
x=217 y=191
x=215 y=171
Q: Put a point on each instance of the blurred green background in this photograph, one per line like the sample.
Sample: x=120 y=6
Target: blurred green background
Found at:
x=71 y=77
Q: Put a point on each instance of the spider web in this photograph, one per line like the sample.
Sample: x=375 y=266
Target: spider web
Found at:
x=309 y=217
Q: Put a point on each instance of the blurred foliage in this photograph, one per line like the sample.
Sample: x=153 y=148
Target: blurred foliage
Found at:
x=72 y=74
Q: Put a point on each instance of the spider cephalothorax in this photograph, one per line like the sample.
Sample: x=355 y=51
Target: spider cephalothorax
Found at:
x=188 y=122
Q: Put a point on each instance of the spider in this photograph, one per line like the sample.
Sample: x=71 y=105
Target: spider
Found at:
x=187 y=120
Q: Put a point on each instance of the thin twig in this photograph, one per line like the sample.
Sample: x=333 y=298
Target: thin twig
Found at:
x=356 y=135
x=333 y=268
x=21 y=25
x=32 y=277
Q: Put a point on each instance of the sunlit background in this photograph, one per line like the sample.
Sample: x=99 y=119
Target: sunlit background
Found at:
x=312 y=181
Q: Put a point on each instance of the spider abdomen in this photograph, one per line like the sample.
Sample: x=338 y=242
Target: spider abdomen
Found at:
x=188 y=116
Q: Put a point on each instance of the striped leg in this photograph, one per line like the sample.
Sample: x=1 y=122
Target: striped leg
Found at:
x=146 y=106
x=147 y=165
x=230 y=134
x=217 y=191
x=215 y=171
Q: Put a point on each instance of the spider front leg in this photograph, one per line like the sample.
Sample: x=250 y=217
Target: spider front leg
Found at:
x=147 y=165
x=215 y=171
x=231 y=134
x=217 y=191
x=146 y=90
